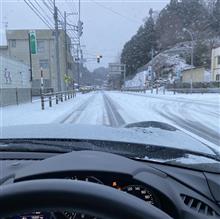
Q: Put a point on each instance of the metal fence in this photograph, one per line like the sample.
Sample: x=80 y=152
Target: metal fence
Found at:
x=57 y=96
x=143 y=89
x=195 y=90
x=163 y=90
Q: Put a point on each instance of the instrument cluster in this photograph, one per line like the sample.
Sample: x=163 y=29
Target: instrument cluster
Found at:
x=123 y=183
x=126 y=185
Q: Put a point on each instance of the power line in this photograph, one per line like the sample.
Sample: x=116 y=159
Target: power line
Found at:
x=48 y=6
x=43 y=10
x=42 y=15
x=36 y=11
x=115 y=12
x=51 y=3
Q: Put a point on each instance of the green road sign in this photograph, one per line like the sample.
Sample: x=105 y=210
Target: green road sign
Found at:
x=33 y=42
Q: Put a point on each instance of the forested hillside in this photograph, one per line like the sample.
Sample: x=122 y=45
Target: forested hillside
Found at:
x=163 y=32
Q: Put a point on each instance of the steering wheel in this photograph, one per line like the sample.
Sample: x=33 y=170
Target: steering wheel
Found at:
x=78 y=196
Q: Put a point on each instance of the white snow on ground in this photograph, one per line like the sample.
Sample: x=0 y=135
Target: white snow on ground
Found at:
x=138 y=80
x=94 y=112
x=198 y=108
x=31 y=113
x=89 y=108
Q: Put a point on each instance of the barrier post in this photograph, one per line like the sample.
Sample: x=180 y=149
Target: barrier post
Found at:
x=50 y=101
x=57 y=99
x=42 y=101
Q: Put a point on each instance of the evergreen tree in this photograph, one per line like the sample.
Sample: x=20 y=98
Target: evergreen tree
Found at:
x=216 y=17
x=201 y=57
x=190 y=14
x=137 y=51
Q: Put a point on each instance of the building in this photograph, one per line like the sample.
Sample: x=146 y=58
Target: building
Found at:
x=195 y=75
x=45 y=58
x=116 y=75
x=215 y=67
x=15 y=86
x=13 y=74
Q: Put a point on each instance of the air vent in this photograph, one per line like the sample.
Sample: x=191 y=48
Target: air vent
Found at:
x=198 y=205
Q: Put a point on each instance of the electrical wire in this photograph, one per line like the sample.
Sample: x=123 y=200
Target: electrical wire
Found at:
x=40 y=12
x=33 y=8
x=115 y=12
x=51 y=3
x=48 y=6
x=42 y=9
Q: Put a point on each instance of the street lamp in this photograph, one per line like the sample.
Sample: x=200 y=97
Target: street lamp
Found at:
x=192 y=52
x=192 y=39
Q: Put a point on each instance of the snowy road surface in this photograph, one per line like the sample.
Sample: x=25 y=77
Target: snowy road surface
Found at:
x=197 y=114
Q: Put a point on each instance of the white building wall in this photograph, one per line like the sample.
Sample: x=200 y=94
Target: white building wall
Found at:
x=215 y=68
x=13 y=74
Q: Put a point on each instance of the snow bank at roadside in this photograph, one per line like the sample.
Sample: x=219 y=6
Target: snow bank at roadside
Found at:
x=31 y=113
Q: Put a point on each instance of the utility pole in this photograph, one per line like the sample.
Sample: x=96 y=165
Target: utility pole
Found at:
x=30 y=61
x=152 y=73
x=192 y=54
x=78 y=46
x=78 y=66
x=57 y=46
x=65 y=31
x=124 y=73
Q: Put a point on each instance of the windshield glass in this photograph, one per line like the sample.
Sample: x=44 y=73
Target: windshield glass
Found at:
x=126 y=72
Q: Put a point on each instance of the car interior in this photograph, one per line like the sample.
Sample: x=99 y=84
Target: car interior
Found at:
x=93 y=184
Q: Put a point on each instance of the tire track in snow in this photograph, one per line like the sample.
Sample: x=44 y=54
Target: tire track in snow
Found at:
x=115 y=119
x=183 y=119
x=192 y=126
x=73 y=116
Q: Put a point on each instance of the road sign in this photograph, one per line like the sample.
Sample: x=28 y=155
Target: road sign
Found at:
x=116 y=68
x=33 y=42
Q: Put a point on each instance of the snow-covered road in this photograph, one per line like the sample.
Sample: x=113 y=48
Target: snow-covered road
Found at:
x=197 y=114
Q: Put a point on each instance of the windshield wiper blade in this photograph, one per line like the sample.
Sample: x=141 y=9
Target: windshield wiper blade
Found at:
x=45 y=145
x=131 y=150
x=169 y=153
x=64 y=146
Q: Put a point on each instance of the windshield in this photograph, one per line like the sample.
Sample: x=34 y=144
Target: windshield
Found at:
x=126 y=72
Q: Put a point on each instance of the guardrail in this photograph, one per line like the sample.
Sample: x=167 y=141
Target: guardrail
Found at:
x=195 y=90
x=174 y=90
x=57 y=96
x=144 y=89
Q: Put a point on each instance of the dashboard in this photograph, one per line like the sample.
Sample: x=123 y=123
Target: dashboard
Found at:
x=120 y=182
x=179 y=192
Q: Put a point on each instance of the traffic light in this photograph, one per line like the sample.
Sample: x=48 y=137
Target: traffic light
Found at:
x=80 y=28
x=98 y=58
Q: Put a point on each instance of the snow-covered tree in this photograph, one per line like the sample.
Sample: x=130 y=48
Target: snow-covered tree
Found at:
x=137 y=51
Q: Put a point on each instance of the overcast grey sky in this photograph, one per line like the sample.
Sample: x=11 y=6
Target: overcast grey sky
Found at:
x=108 y=24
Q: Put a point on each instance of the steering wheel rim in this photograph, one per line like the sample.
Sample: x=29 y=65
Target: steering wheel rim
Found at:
x=78 y=196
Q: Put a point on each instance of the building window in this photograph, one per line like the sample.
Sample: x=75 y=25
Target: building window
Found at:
x=40 y=46
x=13 y=43
x=44 y=63
x=217 y=77
x=218 y=60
